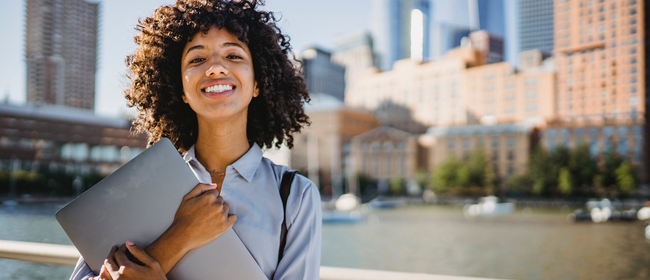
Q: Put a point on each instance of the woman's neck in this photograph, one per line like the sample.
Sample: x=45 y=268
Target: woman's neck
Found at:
x=219 y=145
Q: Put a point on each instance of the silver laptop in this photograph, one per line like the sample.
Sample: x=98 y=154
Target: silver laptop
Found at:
x=138 y=202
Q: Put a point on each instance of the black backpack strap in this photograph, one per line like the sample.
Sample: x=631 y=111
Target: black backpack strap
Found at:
x=285 y=189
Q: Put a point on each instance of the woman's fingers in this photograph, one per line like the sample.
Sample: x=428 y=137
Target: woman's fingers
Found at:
x=140 y=254
x=109 y=262
x=120 y=256
x=104 y=274
x=199 y=189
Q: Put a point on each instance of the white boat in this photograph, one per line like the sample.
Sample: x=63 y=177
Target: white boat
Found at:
x=488 y=206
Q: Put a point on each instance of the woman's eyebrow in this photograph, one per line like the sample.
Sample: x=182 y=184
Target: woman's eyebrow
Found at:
x=232 y=44
x=194 y=48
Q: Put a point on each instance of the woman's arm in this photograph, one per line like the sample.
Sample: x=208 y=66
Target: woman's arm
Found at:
x=301 y=258
x=201 y=217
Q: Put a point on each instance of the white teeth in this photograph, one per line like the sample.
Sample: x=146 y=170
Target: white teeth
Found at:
x=218 y=88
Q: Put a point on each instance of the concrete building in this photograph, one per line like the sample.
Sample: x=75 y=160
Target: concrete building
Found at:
x=600 y=58
x=536 y=25
x=506 y=146
x=355 y=52
x=61 y=52
x=385 y=152
x=72 y=139
x=489 y=44
x=322 y=75
x=624 y=137
x=433 y=91
x=322 y=150
x=400 y=29
x=453 y=20
x=459 y=89
x=498 y=92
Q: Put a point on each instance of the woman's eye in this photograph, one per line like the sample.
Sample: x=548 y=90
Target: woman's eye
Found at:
x=197 y=60
x=233 y=56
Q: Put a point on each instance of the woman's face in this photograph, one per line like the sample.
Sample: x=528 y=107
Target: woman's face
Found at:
x=218 y=78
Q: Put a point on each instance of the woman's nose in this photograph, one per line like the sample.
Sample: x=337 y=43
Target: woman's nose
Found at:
x=216 y=68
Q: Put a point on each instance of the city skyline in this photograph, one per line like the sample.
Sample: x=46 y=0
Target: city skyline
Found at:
x=118 y=19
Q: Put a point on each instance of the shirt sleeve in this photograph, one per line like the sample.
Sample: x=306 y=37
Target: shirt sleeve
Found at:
x=301 y=259
x=82 y=271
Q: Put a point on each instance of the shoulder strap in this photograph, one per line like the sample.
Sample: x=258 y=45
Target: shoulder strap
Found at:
x=285 y=189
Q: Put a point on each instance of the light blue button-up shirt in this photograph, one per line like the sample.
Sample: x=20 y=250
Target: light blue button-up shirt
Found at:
x=251 y=188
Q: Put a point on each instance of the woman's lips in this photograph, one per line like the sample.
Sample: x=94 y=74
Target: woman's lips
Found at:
x=219 y=95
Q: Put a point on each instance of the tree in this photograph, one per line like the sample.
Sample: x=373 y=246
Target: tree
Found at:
x=463 y=176
x=538 y=169
x=582 y=166
x=445 y=175
x=395 y=184
x=625 y=177
x=612 y=161
x=477 y=165
x=565 y=183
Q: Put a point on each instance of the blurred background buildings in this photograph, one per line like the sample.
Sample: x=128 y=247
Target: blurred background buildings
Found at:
x=432 y=83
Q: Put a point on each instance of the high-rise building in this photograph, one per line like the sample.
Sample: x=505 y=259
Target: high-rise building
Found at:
x=491 y=45
x=453 y=20
x=355 y=52
x=601 y=75
x=401 y=30
x=61 y=52
x=322 y=75
x=600 y=58
x=536 y=25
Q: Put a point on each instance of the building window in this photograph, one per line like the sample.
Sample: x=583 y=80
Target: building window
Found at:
x=511 y=142
x=495 y=155
x=451 y=144
x=495 y=142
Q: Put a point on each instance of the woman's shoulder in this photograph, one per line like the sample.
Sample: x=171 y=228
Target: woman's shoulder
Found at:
x=301 y=186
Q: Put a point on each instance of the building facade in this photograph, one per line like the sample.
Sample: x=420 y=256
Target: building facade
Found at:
x=356 y=53
x=536 y=25
x=385 y=152
x=460 y=89
x=61 y=52
x=489 y=44
x=400 y=29
x=72 y=139
x=322 y=150
x=506 y=146
x=600 y=58
x=322 y=75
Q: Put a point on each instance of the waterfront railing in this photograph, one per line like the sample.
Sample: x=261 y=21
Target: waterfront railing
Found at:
x=68 y=255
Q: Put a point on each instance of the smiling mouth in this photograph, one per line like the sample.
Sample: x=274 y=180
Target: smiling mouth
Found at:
x=218 y=88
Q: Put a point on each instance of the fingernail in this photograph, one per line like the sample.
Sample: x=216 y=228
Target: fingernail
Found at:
x=213 y=184
x=130 y=243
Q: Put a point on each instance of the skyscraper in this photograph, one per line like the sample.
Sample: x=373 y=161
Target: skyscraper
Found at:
x=355 y=52
x=400 y=29
x=322 y=75
x=453 y=20
x=61 y=52
x=536 y=25
x=600 y=58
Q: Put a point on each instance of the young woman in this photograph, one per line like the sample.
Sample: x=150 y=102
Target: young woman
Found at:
x=214 y=76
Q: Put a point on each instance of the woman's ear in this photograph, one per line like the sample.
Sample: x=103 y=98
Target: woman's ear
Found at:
x=256 y=90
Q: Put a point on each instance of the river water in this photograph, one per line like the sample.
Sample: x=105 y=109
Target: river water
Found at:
x=537 y=244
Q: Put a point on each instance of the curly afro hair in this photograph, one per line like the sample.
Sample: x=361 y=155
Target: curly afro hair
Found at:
x=154 y=70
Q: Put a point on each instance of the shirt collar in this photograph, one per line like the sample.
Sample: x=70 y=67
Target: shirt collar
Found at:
x=246 y=165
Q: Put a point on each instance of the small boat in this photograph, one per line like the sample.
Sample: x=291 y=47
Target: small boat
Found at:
x=488 y=206
x=644 y=212
x=346 y=210
x=386 y=203
x=342 y=217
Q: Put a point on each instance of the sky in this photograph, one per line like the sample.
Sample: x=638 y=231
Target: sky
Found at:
x=307 y=22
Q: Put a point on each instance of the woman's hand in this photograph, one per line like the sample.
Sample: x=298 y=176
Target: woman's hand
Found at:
x=201 y=217
x=118 y=266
